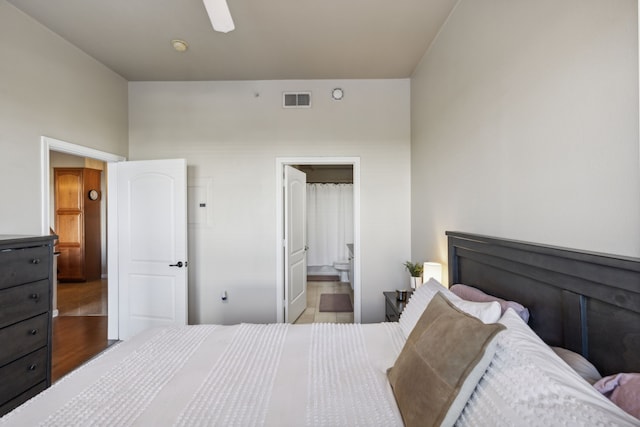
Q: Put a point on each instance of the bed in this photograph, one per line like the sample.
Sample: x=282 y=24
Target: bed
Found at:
x=339 y=375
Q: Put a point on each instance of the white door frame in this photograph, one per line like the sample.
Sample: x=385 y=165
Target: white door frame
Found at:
x=51 y=144
x=280 y=163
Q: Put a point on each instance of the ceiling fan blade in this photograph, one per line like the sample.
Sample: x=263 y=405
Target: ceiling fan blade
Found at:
x=219 y=15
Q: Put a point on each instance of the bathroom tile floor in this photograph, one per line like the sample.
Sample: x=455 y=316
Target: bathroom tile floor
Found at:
x=312 y=314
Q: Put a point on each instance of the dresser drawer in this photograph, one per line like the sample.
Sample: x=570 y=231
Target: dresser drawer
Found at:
x=22 y=302
x=21 y=398
x=23 y=338
x=23 y=374
x=24 y=265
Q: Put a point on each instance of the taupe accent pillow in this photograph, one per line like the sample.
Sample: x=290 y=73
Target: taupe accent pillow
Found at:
x=441 y=363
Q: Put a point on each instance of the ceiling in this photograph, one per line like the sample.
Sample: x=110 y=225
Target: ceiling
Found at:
x=273 y=39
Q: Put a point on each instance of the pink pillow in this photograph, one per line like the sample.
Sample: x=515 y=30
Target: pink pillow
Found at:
x=623 y=390
x=470 y=293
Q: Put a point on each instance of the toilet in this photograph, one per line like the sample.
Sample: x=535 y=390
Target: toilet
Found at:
x=343 y=268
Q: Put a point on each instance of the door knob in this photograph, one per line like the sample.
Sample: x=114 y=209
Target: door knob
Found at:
x=177 y=264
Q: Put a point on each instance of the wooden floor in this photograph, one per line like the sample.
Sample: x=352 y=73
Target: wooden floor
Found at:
x=83 y=299
x=76 y=339
x=80 y=329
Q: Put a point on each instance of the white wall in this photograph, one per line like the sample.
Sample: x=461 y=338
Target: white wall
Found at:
x=48 y=88
x=232 y=132
x=525 y=126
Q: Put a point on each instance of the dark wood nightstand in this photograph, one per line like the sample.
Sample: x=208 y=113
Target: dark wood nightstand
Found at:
x=392 y=307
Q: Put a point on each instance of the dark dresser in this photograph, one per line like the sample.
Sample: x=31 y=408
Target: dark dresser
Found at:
x=26 y=276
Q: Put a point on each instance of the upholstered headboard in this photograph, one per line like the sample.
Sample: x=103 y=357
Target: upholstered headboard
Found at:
x=585 y=302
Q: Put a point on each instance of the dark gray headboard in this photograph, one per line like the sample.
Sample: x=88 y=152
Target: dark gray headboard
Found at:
x=583 y=301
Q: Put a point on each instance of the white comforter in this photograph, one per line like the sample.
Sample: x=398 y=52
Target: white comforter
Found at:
x=297 y=375
x=242 y=375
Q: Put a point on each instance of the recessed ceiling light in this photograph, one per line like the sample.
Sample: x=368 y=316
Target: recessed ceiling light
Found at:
x=179 y=45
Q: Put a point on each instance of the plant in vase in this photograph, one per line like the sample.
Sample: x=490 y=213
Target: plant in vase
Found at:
x=415 y=270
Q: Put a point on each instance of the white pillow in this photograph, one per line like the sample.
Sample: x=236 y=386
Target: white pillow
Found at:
x=487 y=312
x=528 y=384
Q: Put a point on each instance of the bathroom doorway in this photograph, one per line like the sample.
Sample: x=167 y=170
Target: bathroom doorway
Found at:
x=329 y=208
x=330 y=271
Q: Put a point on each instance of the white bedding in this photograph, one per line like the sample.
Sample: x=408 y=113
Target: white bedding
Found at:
x=296 y=375
x=273 y=375
x=527 y=384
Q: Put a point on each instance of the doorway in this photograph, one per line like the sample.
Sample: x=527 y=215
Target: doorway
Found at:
x=353 y=164
x=78 y=218
x=79 y=221
x=81 y=331
x=330 y=244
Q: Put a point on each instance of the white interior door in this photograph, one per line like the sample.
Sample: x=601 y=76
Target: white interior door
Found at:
x=295 y=242
x=152 y=244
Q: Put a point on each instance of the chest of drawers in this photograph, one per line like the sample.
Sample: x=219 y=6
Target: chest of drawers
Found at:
x=25 y=318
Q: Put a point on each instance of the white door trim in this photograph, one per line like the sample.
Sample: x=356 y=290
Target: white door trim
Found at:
x=51 y=144
x=280 y=163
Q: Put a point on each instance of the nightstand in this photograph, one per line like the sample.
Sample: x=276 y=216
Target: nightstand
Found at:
x=392 y=307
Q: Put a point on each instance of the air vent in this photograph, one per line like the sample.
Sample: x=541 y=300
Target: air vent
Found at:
x=296 y=100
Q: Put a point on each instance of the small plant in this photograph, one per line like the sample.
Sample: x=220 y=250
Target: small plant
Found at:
x=415 y=269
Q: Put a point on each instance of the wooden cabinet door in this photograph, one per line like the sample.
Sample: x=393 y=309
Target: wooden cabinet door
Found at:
x=69 y=223
x=77 y=224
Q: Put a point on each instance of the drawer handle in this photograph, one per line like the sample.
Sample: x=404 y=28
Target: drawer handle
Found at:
x=34 y=296
x=32 y=367
x=34 y=331
x=35 y=261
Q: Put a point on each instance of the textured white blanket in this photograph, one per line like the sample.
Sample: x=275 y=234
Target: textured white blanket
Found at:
x=297 y=375
x=527 y=384
x=344 y=388
x=242 y=375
